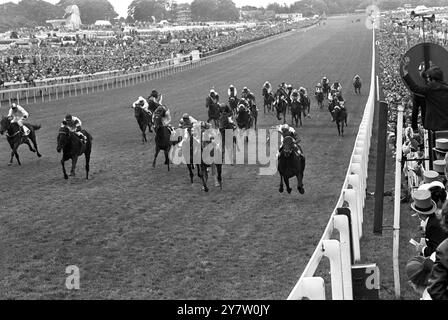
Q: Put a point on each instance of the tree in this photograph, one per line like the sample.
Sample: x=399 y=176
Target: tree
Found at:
x=91 y=10
x=144 y=10
x=227 y=11
x=204 y=10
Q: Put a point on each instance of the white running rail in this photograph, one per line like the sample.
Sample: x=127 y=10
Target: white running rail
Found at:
x=353 y=194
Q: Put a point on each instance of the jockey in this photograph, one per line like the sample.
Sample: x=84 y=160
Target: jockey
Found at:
x=318 y=89
x=303 y=91
x=142 y=103
x=74 y=125
x=294 y=95
x=154 y=101
x=164 y=113
x=289 y=90
x=245 y=93
x=281 y=91
x=187 y=121
x=211 y=99
x=268 y=87
x=336 y=87
x=232 y=92
x=325 y=81
x=18 y=114
x=287 y=131
x=357 y=77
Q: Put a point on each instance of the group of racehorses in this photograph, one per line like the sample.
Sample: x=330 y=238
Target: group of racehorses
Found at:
x=243 y=116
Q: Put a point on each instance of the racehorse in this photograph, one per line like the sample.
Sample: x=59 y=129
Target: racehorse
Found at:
x=213 y=114
x=193 y=146
x=244 y=118
x=254 y=112
x=268 y=100
x=320 y=99
x=291 y=164
x=280 y=105
x=357 y=84
x=326 y=89
x=306 y=104
x=15 y=138
x=162 y=140
x=340 y=115
x=144 y=120
x=233 y=104
x=72 y=148
x=296 y=112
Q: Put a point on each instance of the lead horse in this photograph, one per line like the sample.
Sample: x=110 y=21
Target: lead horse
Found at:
x=72 y=148
x=15 y=137
x=291 y=164
x=357 y=85
x=144 y=120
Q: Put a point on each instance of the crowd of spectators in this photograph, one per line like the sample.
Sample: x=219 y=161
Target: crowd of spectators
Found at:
x=121 y=52
x=427 y=272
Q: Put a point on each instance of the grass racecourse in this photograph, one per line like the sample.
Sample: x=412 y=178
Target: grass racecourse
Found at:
x=139 y=233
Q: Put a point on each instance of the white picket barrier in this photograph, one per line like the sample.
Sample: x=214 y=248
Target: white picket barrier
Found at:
x=353 y=196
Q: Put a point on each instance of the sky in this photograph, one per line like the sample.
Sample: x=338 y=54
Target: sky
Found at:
x=121 y=6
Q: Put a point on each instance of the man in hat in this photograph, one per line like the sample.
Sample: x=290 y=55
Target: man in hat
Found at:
x=441 y=148
x=18 y=115
x=436 y=96
x=438 y=194
x=439 y=167
x=425 y=209
x=418 y=270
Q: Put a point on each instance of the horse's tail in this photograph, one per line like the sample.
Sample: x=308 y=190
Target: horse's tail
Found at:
x=88 y=135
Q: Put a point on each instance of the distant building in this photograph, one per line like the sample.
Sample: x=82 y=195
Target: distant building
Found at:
x=289 y=16
x=251 y=14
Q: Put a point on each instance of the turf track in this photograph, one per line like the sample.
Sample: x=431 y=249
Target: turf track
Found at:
x=142 y=233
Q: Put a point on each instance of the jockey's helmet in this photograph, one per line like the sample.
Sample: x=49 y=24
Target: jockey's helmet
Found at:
x=154 y=94
x=302 y=89
x=14 y=105
x=68 y=117
x=232 y=86
x=284 y=128
x=140 y=99
x=319 y=85
x=245 y=89
x=186 y=116
x=289 y=86
x=324 y=78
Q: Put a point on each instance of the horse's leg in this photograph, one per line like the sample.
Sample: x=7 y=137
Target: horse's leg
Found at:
x=339 y=128
x=202 y=173
x=155 y=156
x=28 y=143
x=300 y=176
x=74 y=162
x=190 y=170
x=281 y=184
x=219 y=170
x=288 y=188
x=63 y=168
x=34 y=141
x=16 y=146
x=167 y=160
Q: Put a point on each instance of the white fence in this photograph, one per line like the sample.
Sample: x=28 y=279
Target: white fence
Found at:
x=344 y=252
x=73 y=89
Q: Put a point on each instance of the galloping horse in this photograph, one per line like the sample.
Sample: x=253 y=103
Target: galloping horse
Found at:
x=213 y=114
x=244 y=118
x=280 y=105
x=193 y=147
x=144 y=120
x=320 y=99
x=326 y=88
x=291 y=164
x=306 y=104
x=72 y=148
x=233 y=104
x=268 y=100
x=296 y=112
x=340 y=115
x=357 y=84
x=162 y=140
x=15 y=137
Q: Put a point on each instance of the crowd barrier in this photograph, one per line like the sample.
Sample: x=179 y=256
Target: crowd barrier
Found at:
x=59 y=91
x=347 y=219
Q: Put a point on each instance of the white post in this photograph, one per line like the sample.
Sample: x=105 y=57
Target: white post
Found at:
x=332 y=251
x=350 y=197
x=396 y=237
x=342 y=225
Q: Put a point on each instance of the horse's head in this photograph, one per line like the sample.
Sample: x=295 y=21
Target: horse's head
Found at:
x=288 y=146
x=5 y=123
x=63 y=138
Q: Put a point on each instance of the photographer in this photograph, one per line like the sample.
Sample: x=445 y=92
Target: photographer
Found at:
x=435 y=93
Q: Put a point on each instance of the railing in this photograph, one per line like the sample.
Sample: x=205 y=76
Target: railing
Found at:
x=73 y=89
x=345 y=251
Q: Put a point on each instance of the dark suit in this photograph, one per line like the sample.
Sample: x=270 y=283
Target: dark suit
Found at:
x=436 y=98
x=438 y=280
x=434 y=235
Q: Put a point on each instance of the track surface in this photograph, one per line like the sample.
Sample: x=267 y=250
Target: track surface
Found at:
x=135 y=232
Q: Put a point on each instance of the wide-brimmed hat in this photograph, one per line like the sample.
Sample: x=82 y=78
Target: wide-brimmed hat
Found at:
x=423 y=204
x=418 y=270
x=439 y=166
x=430 y=176
x=441 y=145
